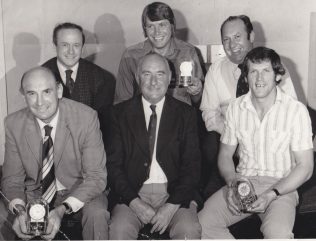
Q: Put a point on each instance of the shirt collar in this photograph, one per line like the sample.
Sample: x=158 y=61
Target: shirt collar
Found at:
x=62 y=70
x=247 y=103
x=149 y=48
x=52 y=123
x=159 y=105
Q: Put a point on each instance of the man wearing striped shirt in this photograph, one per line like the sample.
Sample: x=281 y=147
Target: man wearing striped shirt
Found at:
x=274 y=135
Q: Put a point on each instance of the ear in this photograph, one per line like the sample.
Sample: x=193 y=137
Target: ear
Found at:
x=252 y=37
x=278 y=78
x=60 y=91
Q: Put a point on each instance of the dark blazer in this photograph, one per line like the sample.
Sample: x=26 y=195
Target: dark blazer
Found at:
x=94 y=87
x=178 y=151
x=79 y=156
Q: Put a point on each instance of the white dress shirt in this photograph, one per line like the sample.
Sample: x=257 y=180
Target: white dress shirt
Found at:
x=156 y=174
x=62 y=71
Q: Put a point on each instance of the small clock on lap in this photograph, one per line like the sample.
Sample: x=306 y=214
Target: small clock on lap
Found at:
x=37 y=216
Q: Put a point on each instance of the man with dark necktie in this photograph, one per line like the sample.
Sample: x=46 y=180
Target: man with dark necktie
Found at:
x=54 y=152
x=154 y=159
x=223 y=84
x=82 y=80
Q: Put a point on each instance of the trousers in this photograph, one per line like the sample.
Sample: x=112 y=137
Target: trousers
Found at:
x=277 y=220
x=125 y=224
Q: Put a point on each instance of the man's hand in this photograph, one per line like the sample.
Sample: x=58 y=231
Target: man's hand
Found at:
x=54 y=219
x=143 y=210
x=163 y=217
x=232 y=206
x=19 y=226
x=262 y=203
x=196 y=87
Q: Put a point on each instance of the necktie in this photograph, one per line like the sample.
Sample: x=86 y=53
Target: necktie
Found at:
x=152 y=130
x=48 y=172
x=69 y=81
x=242 y=85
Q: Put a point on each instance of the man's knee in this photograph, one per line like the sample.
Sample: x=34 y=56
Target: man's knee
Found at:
x=208 y=216
x=185 y=224
x=184 y=230
x=95 y=220
x=124 y=223
x=121 y=229
x=276 y=232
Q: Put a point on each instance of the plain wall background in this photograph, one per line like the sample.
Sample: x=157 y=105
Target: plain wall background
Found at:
x=112 y=25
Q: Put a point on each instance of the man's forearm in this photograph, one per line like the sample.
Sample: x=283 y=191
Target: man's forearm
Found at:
x=299 y=175
x=226 y=164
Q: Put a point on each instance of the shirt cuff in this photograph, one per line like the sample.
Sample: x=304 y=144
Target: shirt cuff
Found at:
x=15 y=202
x=74 y=203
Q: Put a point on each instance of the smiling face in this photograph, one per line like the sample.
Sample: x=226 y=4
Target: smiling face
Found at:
x=69 y=46
x=159 y=34
x=262 y=80
x=41 y=93
x=154 y=76
x=235 y=40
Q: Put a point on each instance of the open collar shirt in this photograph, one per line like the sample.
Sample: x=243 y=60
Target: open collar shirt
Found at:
x=127 y=85
x=220 y=89
x=264 y=146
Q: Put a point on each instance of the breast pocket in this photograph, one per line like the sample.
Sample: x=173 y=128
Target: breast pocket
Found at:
x=277 y=140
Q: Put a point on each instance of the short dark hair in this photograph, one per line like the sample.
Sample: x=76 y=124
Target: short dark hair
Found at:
x=67 y=25
x=244 y=18
x=157 y=11
x=45 y=69
x=261 y=54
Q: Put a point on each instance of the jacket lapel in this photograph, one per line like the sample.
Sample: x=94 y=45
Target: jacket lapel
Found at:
x=33 y=137
x=137 y=125
x=168 y=124
x=62 y=134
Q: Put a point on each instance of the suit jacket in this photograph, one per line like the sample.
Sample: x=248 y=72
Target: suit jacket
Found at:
x=94 y=87
x=79 y=156
x=177 y=153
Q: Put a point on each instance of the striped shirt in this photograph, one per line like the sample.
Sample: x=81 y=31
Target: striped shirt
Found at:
x=264 y=146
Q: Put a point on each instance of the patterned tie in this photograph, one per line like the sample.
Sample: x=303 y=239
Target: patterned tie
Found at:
x=242 y=85
x=48 y=172
x=152 y=130
x=69 y=81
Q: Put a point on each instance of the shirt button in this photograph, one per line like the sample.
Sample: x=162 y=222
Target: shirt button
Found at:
x=145 y=164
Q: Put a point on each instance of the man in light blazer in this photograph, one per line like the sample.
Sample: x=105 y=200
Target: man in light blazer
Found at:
x=93 y=85
x=79 y=160
x=154 y=171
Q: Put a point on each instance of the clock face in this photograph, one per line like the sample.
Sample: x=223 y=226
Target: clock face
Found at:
x=243 y=189
x=37 y=211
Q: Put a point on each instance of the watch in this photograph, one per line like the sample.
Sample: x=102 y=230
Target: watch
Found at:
x=68 y=208
x=277 y=193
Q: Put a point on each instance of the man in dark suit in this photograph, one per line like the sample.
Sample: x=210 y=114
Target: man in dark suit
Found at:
x=82 y=80
x=154 y=173
x=65 y=166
